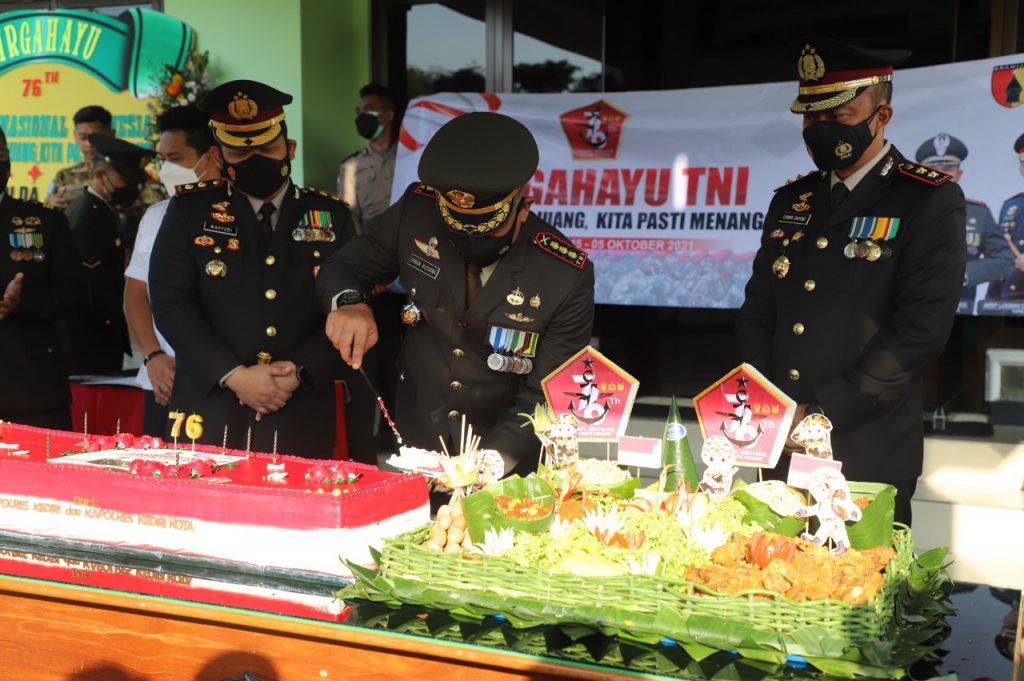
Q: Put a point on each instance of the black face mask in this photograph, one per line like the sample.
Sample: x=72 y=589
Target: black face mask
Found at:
x=5 y=174
x=122 y=196
x=484 y=250
x=258 y=175
x=368 y=125
x=835 y=146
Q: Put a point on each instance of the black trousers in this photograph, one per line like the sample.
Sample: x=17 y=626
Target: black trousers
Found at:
x=154 y=417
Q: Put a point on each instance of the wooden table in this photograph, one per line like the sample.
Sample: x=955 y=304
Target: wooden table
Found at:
x=60 y=632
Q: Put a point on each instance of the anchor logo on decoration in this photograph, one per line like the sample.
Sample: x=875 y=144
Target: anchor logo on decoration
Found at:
x=739 y=427
x=588 y=408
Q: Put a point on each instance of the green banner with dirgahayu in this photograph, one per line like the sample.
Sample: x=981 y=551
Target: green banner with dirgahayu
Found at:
x=127 y=52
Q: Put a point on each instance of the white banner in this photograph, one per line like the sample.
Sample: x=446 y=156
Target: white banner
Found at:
x=666 y=190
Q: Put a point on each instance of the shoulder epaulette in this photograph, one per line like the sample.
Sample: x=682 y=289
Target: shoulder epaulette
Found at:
x=563 y=250
x=424 y=190
x=352 y=155
x=1015 y=196
x=977 y=202
x=799 y=178
x=313 y=191
x=924 y=173
x=201 y=186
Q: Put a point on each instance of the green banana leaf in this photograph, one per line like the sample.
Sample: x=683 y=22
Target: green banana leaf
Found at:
x=873 y=529
x=623 y=489
x=482 y=513
x=875 y=526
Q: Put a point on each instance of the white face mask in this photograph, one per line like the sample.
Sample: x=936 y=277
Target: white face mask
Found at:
x=172 y=174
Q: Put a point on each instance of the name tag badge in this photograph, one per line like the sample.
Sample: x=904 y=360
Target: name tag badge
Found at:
x=226 y=229
x=802 y=219
x=422 y=266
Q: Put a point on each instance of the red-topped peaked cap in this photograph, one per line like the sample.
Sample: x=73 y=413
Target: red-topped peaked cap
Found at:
x=245 y=113
x=831 y=73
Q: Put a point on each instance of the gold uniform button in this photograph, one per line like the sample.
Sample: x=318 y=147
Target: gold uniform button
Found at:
x=316 y=254
x=809 y=285
x=216 y=249
x=821 y=243
x=412 y=291
x=270 y=260
x=453 y=415
x=794 y=375
x=270 y=294
x=271 y=331
x=458 y=352
x=455 y=385
x=798 y=328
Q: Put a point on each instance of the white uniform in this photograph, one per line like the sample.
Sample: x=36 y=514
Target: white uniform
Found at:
x=138 y=268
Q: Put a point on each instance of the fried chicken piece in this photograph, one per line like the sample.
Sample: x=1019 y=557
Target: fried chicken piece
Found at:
x=733 y=552
x=726 y=579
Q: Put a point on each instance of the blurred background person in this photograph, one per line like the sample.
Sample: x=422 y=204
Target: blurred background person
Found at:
x=39 y=284
x=1011 y=224
x=364 y=183
x=988 y=256
x=184 y=153
x=98 y=342
x=69 y=183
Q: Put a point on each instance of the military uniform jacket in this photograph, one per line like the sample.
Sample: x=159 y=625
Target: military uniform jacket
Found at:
x=443 y=363
x=99 y=341
x=221 y=294
x=36 y=242
x=851 y=335
x=988 y=256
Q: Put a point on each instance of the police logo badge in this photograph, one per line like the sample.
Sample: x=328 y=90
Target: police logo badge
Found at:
x=1007 y=84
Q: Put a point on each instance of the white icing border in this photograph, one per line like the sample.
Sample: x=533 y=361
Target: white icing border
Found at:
x=314 y=550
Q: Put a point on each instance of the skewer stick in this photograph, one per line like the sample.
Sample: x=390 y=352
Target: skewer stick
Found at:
x=224 y=442
x=117 y=427
x=444 y=447
x=275 y=446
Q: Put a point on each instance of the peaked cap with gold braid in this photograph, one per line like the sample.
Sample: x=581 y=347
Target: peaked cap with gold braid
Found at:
x=477 y=164
x=245 y=113
x=831 y=73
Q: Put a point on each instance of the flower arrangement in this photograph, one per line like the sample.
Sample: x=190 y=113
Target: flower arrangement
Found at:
x=178 y=87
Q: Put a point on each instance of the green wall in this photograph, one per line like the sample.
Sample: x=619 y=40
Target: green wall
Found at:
x=316 y=50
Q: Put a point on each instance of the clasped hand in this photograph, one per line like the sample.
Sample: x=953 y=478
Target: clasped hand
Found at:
x=265 y=388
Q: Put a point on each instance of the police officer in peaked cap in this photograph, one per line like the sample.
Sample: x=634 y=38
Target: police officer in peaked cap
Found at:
x=232 y=284
x=860 y=268
x=498 y=299
x=988 y=256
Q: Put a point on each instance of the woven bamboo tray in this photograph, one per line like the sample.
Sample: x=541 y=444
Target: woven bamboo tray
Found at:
x=647 y=607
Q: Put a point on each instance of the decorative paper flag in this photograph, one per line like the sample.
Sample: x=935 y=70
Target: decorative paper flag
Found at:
x=803 y=465
x=642 y=452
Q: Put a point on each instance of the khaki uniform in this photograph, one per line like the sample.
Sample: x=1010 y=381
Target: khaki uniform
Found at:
x=365 y=183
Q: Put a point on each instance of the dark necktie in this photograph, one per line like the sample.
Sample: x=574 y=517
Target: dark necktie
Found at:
x=266 y=213
x=473 y=283
x=839 y=192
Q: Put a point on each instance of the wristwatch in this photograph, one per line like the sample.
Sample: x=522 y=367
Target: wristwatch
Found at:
x=350 y=296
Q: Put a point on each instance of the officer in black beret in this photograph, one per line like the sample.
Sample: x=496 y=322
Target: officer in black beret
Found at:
x=1011 y=225
x=988 y=256
x=40 y=284
x=98 y=342
x=860 y=268
x=497 y=298
x=231 y=284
